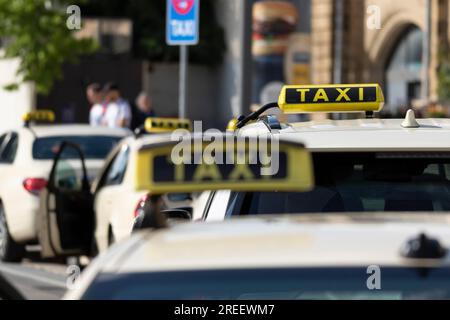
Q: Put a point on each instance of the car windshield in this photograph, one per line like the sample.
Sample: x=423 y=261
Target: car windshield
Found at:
x=93 y=147
x=350 y=283
x=360 y=182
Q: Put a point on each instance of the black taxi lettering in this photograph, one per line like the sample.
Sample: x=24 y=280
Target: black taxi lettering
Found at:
x=167 y=171
x=306 y=95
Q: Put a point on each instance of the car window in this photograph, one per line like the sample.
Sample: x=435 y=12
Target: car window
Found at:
x=8 y=153
x=365 y=182
x=93 y=147
x=117 y=169
x=347 y=283
x=68 y=174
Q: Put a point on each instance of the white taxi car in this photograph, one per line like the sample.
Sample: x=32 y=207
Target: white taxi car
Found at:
x=361 y=165
x=387 y=256
x=82 y=219
x=26 y=157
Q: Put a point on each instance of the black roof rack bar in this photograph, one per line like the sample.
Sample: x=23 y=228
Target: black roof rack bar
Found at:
x=254 y=115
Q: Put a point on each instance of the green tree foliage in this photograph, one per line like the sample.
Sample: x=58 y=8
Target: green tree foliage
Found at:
x=36 y=32
x=149 y=19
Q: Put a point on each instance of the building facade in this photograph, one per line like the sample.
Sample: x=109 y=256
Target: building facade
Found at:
x=383 y=41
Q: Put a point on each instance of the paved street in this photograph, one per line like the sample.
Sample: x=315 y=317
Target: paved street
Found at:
x=36 y=280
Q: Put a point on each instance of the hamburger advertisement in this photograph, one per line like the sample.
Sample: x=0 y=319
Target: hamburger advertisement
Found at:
x=273 y=23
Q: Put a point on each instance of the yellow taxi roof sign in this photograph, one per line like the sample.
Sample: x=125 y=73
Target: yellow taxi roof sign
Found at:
x=164 y=125
x=39 y=116
x=331 y=98
x=159 y=171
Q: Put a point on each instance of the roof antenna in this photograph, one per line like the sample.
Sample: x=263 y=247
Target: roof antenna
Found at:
x=369 y=114
x=423 y=247
x=242 y=121
x=410 y=120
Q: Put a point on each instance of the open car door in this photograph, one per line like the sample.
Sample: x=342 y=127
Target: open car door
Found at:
x=67 y=216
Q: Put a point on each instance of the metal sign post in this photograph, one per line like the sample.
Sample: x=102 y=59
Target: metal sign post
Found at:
x=426 y=53
x=182 y=30
x=184 y=58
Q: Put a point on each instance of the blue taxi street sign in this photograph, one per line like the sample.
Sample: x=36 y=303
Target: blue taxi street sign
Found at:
x=182 y=22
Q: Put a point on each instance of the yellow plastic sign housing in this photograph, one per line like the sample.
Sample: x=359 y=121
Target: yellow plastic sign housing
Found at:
x=39 y=116
x=331 y=98
x=159 y=169
x=164 y=125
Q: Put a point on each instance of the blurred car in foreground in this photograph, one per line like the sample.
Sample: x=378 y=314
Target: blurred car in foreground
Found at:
x=279 y=257
x=26 y=157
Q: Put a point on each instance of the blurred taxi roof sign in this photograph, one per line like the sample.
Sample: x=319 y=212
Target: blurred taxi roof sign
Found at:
x=165 y=125
x=161 y=169
x=331 y=98
x=39 y=116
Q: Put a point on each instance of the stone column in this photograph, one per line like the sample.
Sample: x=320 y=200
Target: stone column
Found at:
x=322 y=41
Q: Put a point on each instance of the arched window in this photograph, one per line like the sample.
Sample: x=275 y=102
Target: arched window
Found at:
x=404 y=70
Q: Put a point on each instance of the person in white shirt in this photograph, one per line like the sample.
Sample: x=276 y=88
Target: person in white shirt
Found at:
x=118 y=111
x=94 y=95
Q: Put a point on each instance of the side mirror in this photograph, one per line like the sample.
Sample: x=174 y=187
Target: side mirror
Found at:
x=177 y=214
x=152 y=217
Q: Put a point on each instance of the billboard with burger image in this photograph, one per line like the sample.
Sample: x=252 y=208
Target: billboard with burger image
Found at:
x=273 y=24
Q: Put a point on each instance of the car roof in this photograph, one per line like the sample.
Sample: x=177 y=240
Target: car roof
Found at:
x=365 y=135
x=350 y=135
x=281 y=241
x=76 y=129
x=151 y=139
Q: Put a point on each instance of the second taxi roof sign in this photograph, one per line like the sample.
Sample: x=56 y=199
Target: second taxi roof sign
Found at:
x=159 y=170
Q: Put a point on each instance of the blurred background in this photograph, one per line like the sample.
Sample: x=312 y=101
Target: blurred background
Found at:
x=247 y=50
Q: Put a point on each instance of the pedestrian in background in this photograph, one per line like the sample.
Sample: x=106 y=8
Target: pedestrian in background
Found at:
x=144 y=110
x=94 y=95
x=118 y=111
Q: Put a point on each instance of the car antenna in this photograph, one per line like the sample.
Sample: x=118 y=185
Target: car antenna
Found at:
x=243 y=120
x=423 y=247
x=410 y=120
x=369 y=114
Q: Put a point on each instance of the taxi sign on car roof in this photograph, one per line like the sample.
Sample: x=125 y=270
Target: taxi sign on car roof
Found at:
x=164 y=125
x=159 y=169
x=331 y=98
x=39 y=116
